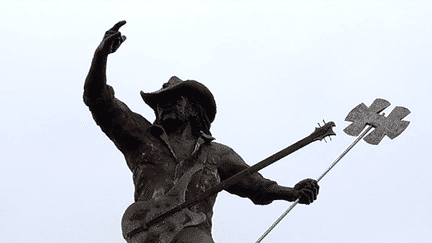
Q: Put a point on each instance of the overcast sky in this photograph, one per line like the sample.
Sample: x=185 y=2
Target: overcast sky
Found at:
x=275 y=69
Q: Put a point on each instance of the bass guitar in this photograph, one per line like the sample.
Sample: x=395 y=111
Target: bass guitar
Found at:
x=161 y=218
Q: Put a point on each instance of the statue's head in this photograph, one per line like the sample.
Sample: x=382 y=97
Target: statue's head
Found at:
x=181 y=101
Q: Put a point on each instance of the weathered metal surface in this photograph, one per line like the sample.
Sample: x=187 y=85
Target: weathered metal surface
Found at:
x=392 y=125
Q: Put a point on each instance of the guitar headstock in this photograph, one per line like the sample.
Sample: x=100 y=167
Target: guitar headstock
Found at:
x=322 y=132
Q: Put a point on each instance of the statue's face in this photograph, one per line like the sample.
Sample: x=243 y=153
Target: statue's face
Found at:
x=174 y=111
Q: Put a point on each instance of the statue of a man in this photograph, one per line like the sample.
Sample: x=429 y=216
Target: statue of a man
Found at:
x=158 y=154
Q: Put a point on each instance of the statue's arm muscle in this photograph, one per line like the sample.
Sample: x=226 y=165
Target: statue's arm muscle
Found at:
x=255 y=187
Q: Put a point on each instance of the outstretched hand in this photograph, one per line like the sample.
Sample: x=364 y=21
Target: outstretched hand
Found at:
x=308 y=190
x=112 y=39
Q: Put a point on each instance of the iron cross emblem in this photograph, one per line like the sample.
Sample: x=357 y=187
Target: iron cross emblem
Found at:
x=392 y=125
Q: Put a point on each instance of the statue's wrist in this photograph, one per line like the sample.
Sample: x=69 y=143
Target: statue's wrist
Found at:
x=100 y=54
x=284 y=193
x=295 y=194
x=290 y=194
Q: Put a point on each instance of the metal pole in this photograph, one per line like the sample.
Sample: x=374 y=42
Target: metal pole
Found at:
x=319 y=178
x=345 y=152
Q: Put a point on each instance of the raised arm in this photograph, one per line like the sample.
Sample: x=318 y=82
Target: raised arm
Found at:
x=259 y=189
x=124 y=127
x=95 y=83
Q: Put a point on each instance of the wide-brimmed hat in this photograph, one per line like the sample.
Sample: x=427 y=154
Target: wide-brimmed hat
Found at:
x=189 y=88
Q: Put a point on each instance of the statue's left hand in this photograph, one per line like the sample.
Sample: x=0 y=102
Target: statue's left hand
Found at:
x=308 y=190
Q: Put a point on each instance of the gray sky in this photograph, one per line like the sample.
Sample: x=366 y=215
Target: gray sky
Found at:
x=275 y=69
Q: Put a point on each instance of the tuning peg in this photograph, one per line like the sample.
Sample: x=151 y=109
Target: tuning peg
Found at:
x=324 y=124
x=320 y=127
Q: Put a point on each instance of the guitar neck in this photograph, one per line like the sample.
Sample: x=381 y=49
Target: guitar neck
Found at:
x=262 y=164
x=237 y=177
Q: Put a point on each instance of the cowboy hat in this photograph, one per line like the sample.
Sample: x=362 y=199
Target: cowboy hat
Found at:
x=189 y=88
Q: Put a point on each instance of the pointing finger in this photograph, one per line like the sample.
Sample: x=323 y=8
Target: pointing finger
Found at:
x=117 y=26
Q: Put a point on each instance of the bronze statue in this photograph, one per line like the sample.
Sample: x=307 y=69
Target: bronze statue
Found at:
x=175 y=158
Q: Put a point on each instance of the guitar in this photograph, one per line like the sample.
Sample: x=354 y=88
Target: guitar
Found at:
x=161 y=218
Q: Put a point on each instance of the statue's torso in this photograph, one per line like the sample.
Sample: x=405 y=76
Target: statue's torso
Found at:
x=156 y=169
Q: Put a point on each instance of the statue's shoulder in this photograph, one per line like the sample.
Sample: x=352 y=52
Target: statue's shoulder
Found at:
x=220 y=149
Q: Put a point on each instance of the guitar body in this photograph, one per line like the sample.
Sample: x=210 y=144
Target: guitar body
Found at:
x=138 y=213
